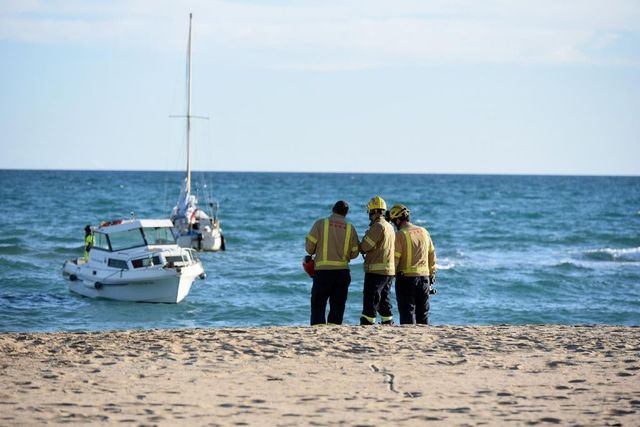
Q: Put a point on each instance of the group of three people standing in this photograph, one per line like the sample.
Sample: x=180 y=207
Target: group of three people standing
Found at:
x=407 y=254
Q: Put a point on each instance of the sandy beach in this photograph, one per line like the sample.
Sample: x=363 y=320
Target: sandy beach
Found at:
x=347 y=375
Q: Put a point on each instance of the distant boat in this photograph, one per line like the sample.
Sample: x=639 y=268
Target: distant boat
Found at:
x=194 y=227
x=135 y=260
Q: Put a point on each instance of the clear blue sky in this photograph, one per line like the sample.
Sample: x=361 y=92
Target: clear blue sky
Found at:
x=531 y=86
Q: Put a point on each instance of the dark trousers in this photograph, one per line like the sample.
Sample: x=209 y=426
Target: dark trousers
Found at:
x=331 y=285
x=412 y=294
x=376 y=297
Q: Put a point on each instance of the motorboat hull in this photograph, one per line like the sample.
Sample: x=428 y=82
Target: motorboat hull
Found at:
x=161 y=285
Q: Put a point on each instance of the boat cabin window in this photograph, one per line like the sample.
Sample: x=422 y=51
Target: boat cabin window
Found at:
x=146 y=262
x=118 y=263
x=185 y=257
x=100 y=241
x=159 y=236
x=127 y=239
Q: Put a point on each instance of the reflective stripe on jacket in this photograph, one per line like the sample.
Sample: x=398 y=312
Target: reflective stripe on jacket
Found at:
x=415 y=253
x=378 y=245
x=333 y=241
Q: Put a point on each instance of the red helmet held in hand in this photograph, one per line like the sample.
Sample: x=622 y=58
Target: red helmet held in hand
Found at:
x=309 y=265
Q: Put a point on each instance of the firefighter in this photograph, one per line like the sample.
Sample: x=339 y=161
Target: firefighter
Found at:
x=377 y=246
x=88 y=242
x=415 y=259
x=334 y=242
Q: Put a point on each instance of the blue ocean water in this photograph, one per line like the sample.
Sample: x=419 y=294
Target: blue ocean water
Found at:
x=511 y=249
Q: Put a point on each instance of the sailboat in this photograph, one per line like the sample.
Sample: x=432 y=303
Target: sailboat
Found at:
x=193 y=226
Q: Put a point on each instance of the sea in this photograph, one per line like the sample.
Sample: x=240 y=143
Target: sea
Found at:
x=511 y=249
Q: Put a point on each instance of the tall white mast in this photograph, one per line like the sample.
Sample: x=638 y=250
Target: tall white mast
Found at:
x=189 y=110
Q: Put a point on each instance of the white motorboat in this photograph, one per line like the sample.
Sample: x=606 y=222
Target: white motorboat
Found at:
x=135 y=260
x=194 y=227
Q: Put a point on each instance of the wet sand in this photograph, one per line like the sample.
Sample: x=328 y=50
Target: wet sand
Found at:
x=347 y=375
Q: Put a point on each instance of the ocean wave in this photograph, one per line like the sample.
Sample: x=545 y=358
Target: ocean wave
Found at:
x=10 y=241
x=614 y=254
x=12 y=250
x=446 y=265
x=14 y=265
x=570 y=265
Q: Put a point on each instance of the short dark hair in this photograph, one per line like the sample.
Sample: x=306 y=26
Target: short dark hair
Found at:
x=341 y=208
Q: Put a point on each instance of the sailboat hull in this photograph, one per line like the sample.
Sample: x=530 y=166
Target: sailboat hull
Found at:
x=201 y=233
x=205 y=242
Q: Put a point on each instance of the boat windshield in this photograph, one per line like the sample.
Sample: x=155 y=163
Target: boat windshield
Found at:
x=126 y=239
x=100 y=241
x=159 y=236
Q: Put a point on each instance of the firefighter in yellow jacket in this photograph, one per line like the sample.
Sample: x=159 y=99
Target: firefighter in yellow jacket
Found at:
x=415 y=257
x=377 y=247
x=334 y=242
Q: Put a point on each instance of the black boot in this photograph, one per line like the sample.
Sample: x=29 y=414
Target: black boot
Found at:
x=365 y=321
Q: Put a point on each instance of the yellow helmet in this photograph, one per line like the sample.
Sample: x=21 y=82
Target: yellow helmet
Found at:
x=399 y=211
x=376 y=202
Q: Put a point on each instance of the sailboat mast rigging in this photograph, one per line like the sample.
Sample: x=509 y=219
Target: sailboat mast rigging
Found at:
x=189 y=109
x=194 y=227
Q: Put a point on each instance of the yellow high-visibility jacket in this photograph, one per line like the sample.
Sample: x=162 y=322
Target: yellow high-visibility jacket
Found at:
x=378 y=245
x=88 y=244
x=333 y=241
x=415 y=253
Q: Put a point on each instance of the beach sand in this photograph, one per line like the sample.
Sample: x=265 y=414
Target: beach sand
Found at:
x=347 y=375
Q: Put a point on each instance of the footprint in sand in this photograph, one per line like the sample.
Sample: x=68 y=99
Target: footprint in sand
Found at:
x=619 y=412
x=412 y=394
x=461 y=410
x=551 y=420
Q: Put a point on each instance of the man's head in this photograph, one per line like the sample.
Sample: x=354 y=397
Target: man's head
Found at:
x=376 y=206
x=341 y=208
x=399 y=214
x=87 y=229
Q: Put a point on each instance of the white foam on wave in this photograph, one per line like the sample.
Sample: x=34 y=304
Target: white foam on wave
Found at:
x=446 y=265
x=615 y=252
x=622 y=256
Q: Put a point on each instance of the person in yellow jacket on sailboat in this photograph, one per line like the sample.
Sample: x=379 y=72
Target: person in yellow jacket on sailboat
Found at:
x=377 y=246
x=334 y=242
x=415 y=259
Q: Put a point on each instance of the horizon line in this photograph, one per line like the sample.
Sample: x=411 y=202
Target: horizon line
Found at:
x=327 y=172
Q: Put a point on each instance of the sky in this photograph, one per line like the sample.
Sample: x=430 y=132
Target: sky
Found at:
x=403 y=86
